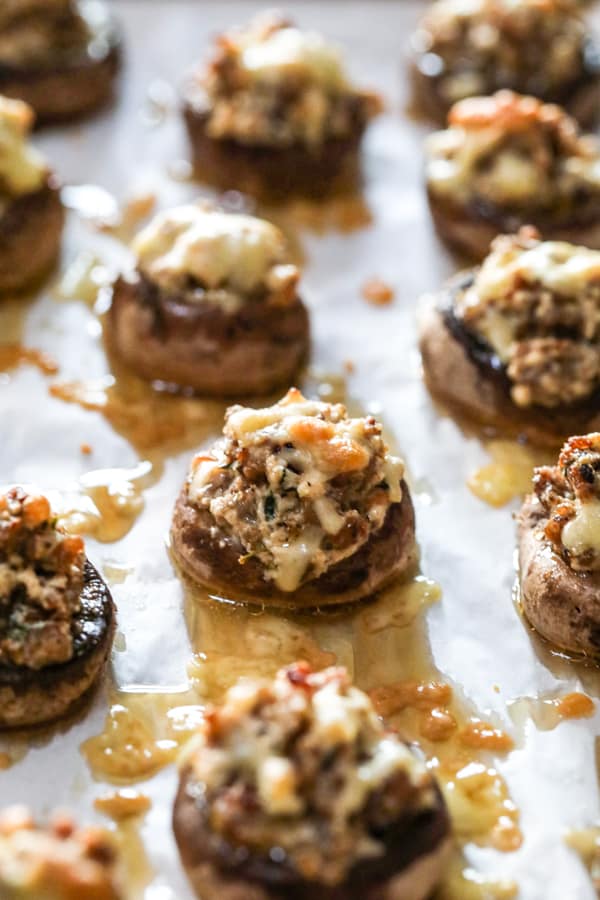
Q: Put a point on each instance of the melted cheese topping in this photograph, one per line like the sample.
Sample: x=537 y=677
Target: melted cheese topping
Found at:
x=481 y=128
x=556 y=265
x=22 y=169
x=321 y=448
x=215 y=248
x=304 y=445
x=561 y=268
x=582 y=533
x=287 y=53
x=337 y=715
x=509 y=178
x=44 y=864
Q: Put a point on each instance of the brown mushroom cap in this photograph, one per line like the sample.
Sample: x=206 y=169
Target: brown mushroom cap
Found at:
x=469 y=228
x=33 y=697
x=464 y=376
x=161 y=336
x=67 y=89
x=30 y=236
x=215 y=559
x=273 y=173
x=561 y=604
x=416 y=849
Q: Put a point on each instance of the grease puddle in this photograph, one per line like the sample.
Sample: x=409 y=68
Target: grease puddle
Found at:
x=105 y=503
x=138 y=871
x=346 y=213
x=14 y=355
x=547 y=712
x=149 y=419
x=508 y=476
x=143 y=732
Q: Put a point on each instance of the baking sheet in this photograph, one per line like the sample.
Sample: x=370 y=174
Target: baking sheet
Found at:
x=473 y=635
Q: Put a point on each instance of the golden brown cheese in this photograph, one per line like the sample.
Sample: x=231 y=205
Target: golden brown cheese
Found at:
x=22 y=169
x=301 y=447
x=563 y=269
x=41 y=578
x=227 y=254
x=288 y=52
x=301 y=736
x=271 y=84
x=570 y=496
x=323 y=448
x=532 y=152
x=59 y=862
x=582 y=533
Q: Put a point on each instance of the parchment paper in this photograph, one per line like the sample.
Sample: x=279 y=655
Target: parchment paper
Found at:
x=476 y=637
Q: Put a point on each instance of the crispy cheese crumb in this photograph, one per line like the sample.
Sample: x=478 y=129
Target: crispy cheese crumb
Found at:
x=377 y=292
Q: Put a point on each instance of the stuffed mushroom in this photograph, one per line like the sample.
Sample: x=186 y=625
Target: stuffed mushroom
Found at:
x=31 y=212
x=213 y=305
x=274 y=113
x=59 y=861
x=559 y=548
x=294 y=788
x=509 y=160
x=56 y=614
x=475 y=48
x=60 y=56
x=298 y=505
x=515 y=344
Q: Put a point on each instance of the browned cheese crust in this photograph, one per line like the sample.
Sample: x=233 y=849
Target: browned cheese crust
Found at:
x=161 y=336
x=34 y=697
x=416 y=855
x=508 y=161
x=562 y=605
x=30 y=236
x=474 y=389
x=273 y=173
x=216 y=559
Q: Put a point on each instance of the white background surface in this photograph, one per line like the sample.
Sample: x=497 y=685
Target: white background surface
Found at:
x=476 y=637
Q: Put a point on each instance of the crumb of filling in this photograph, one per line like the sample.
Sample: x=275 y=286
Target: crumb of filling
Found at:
x=378 y=292
x=570 y=497
x=299 y=484
x=41 y=579
x=477 y=47
x=57 y=862
x=536 y=305
x=275 y=85
x=516 y=153
x=303 y=764
x=209 y=256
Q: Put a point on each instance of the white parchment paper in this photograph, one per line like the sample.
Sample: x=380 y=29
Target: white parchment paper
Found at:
x=476 y=637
